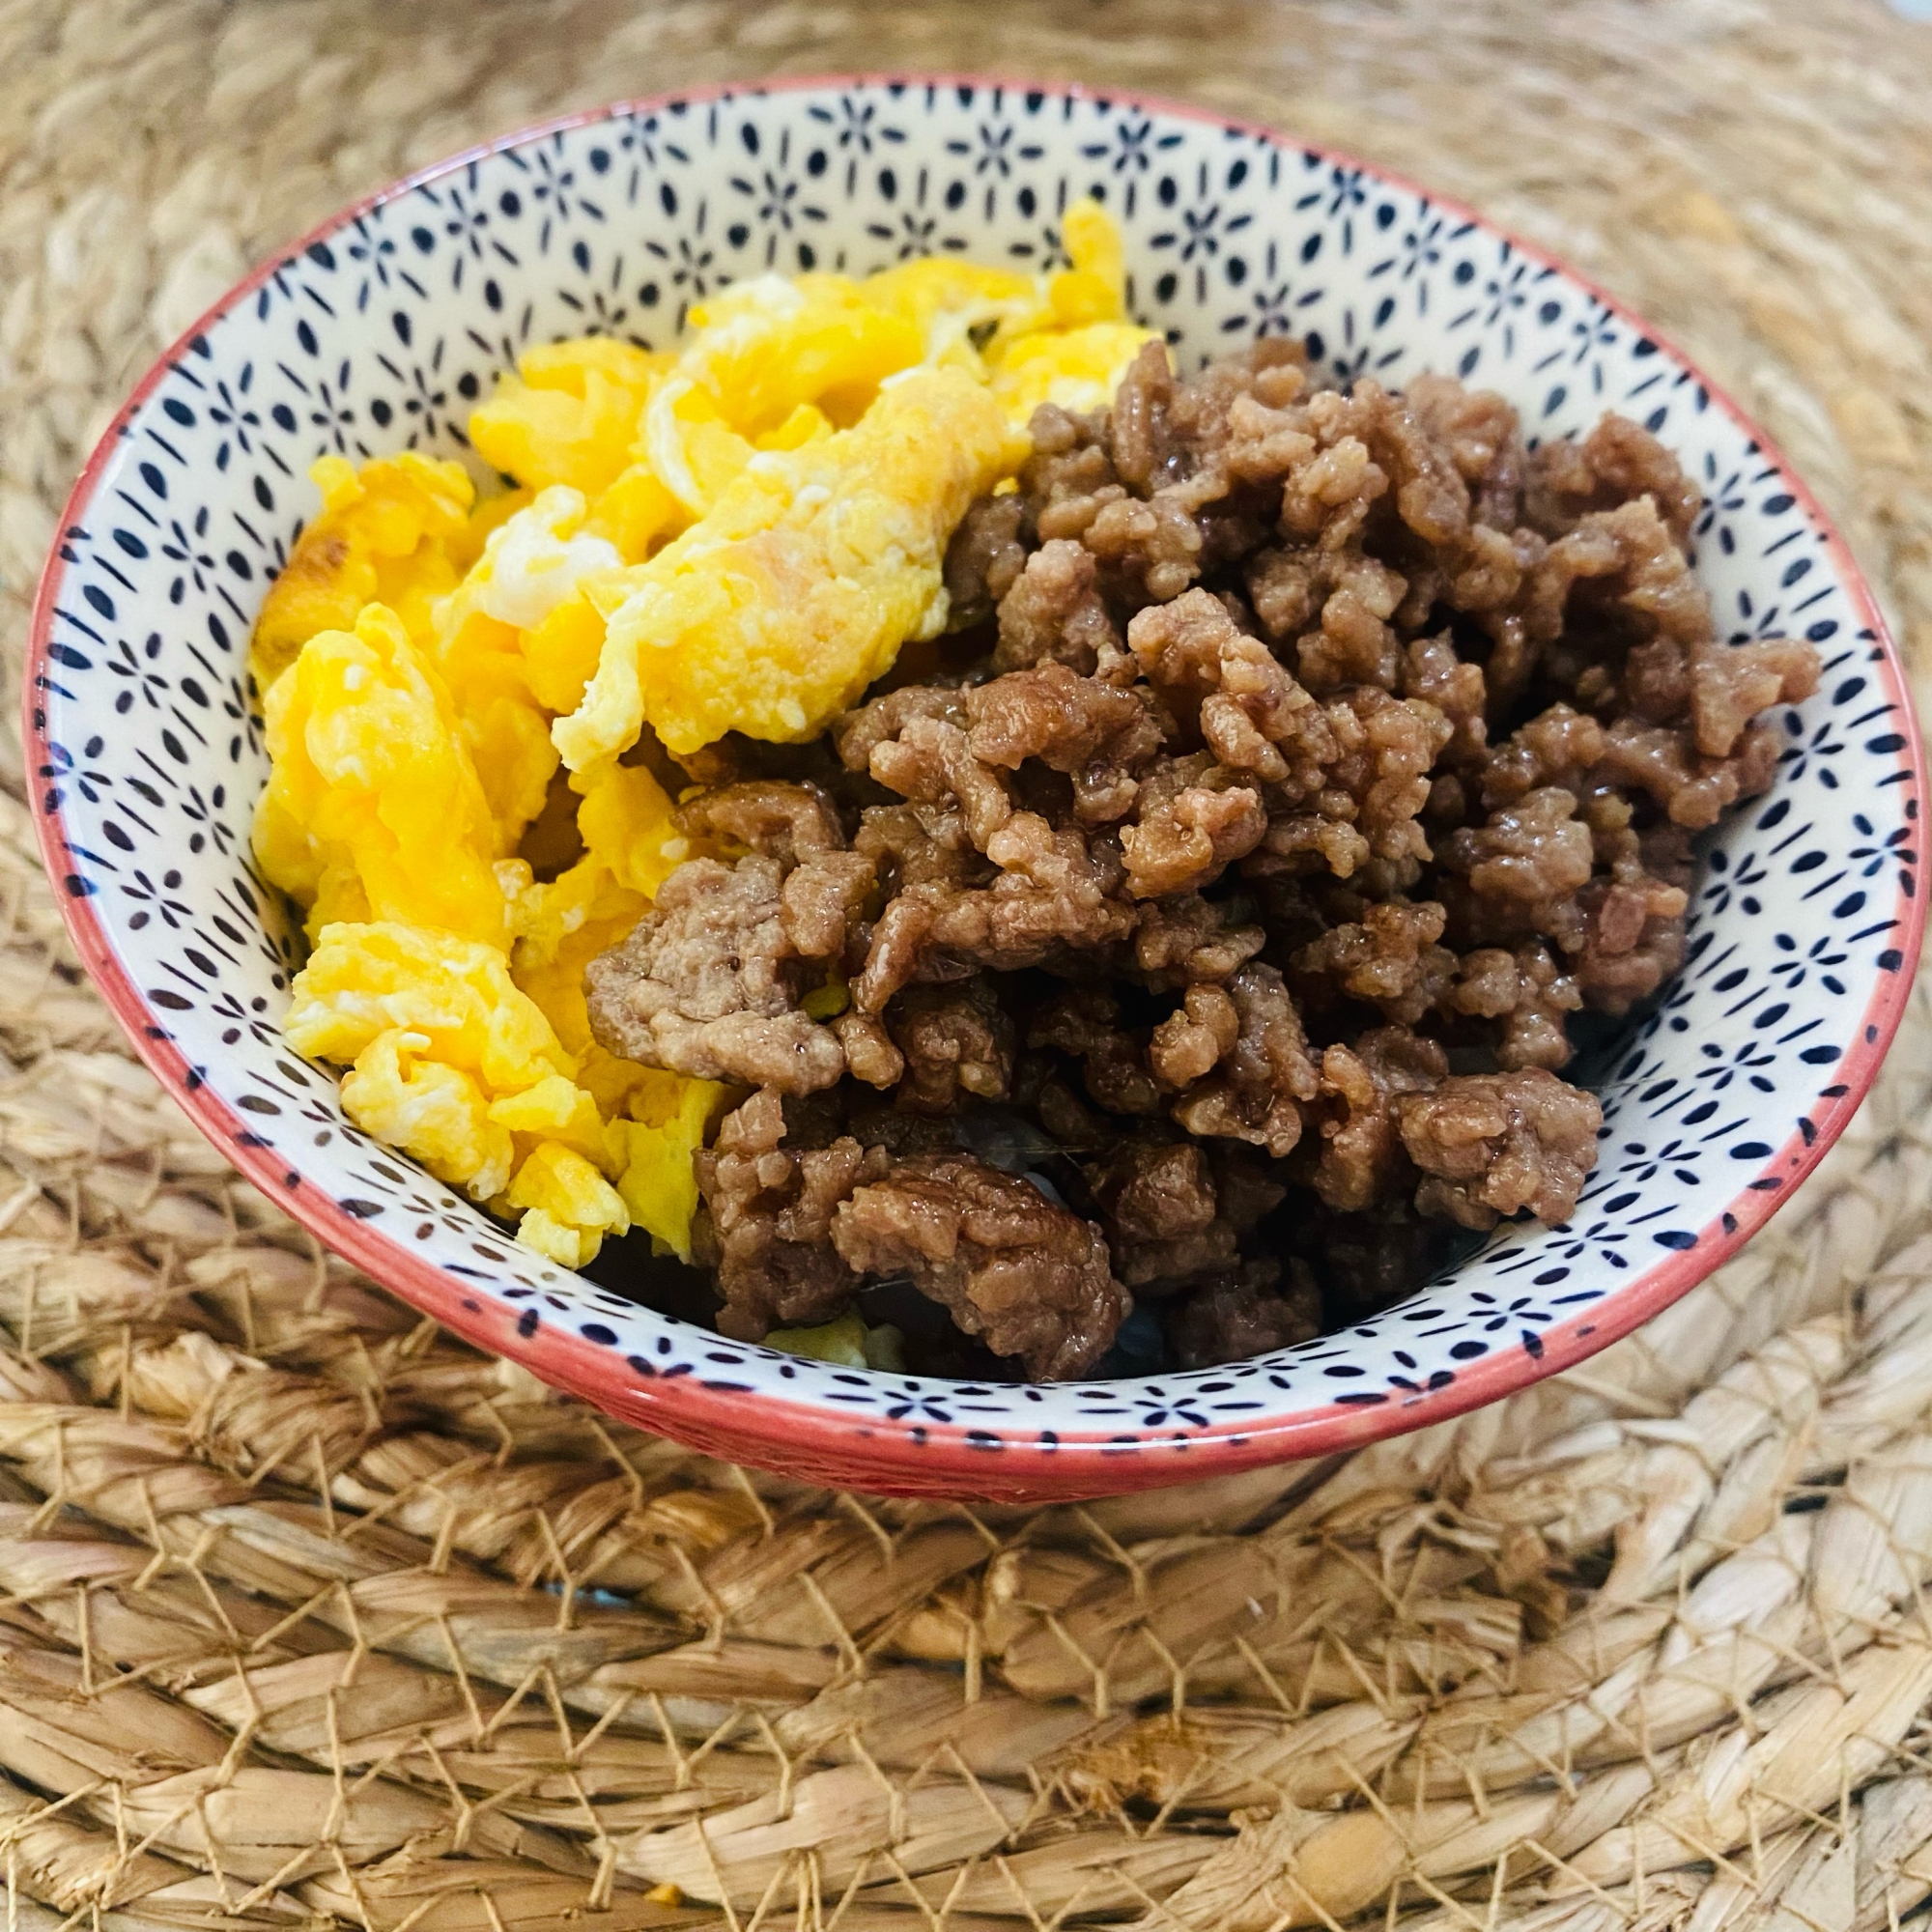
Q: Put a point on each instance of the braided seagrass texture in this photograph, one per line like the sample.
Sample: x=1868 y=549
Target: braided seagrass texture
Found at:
x=310 y=1616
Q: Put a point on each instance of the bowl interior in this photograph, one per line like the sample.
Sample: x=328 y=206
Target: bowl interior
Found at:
x=382 y=331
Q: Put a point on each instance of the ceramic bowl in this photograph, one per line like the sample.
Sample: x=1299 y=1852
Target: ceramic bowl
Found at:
x=380 y=329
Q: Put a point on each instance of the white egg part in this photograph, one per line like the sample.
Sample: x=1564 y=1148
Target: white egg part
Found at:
x=535 y=560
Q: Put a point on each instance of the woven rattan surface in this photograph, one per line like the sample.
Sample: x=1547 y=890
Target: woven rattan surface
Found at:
x=309 y=1615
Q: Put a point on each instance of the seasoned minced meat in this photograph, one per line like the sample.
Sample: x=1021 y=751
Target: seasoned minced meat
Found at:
x=1097 y=735
x=708 y=982
x=1389 y=958
x=1528 y=992
x=1254 y=1086
x=1493 y=1144
x=1084 y=1023
x=1362 y=1088
x=1290 y=749
x=1055 y=891
x=1193 y=817
x=1161 y=1212
x=1052 y=612
x=770 y=1212
x=1246 y=1309
x=985 y=558
x=1183 y=939
x=1018 y=1271
x=955 y=1041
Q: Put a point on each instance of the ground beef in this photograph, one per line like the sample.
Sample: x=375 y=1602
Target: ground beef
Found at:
x=1388 y=959
x=708 y=982
x=1617 y=463
x=1362 y=1160
x=1260 y=1075
x=1185 y=939
x=955 y=1041
x=984 y=560
x=1053 y=614
x=769 y=1210
x=1160 y=1208
x=1084 y=1023
x=1245 y=1311
x=1291 y=748
x=1054 y=893
x=1493 y=1144
x=1016 y=1270
x=1528 y=992
x=1193 y=817
x=1099 y=736
x=707 y=985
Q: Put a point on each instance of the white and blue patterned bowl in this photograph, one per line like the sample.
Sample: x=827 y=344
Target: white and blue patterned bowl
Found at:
x=380 y=329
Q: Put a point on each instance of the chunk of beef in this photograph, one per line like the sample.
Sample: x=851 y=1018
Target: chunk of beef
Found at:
x=1055 y=893
x=1192 y=818
x=1528 y=992
x=1528 y=856
x=1146 y=452
x=1243 y=1312
x=985 y=558
x=1052 y=612
x=1261 y=1075
x=1630 y=939
x=1184 y=940
x=1432 y=671
x=1361 y=1161
x=861 y=731
x=1159 y=1207
x=1493 y=1144
x=930 y=762
x=770 y=1209
x=1021 y=1272
x=1731 y=684
x=1478 y=431
x=706 y=984
x=870 y=1055
x=1389 y=958
x=786 y=822
x=1099 y=736
x=1693 y=790
x=1357 y=784
x=1084 y=1023
x=1069 y=478
x=1244 y=703
x=1616 y=464
x=955 y=1040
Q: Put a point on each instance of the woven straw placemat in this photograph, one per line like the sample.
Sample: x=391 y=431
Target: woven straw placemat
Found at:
x=309 y=1615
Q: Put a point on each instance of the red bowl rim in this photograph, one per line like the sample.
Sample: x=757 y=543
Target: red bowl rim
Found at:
x=805 y=1438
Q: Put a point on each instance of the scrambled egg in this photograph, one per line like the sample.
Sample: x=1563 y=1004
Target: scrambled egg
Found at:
x=383 y=536
x=436 y=1034
x=374 y=809
x=736 y=536
x=773 y=610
